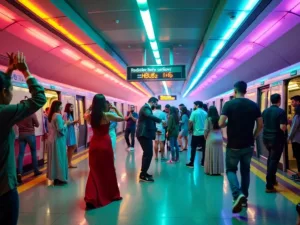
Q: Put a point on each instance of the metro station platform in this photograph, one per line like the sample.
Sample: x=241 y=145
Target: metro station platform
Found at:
x=179 y=196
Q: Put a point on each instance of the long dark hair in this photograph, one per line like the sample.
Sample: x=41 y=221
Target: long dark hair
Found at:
x=214 y=115
x=205 y=108
x=99 y=107
x=68 y=111
x=54 y=109
x=184 y=111
x=174 y=114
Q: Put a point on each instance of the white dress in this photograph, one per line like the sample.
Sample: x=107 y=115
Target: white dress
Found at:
x=57 y=149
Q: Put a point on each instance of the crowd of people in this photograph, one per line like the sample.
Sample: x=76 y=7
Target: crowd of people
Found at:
x=180 y=128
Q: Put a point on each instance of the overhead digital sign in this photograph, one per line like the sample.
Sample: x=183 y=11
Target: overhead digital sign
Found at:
x=167 y=97
x=156 y=73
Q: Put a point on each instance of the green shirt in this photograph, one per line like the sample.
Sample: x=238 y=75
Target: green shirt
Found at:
x=173 y=127
x=9 y=116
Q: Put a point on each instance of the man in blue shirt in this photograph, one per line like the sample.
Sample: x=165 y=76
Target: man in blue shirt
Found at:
x=131 y=119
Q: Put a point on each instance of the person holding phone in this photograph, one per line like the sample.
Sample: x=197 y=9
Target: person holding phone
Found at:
x=131 y=119
x=71 y=135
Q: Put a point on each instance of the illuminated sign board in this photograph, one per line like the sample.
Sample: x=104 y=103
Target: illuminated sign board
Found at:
x=293 y=73
x=167 y=97
x=156 y=73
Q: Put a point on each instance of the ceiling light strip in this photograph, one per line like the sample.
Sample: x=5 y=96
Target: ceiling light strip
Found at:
x=47 y=19
x=233 y=28
x=258 y=38
x=146 y=17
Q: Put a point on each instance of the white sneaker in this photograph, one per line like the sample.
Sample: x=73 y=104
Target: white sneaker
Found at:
x=132 y=149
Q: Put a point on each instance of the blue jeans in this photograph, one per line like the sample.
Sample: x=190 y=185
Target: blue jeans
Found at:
x=175 y=152
x=9 y=208
x=233 y=158
x=23 y=141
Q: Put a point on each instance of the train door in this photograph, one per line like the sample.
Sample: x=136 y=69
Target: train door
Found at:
x=263 y=102
x=51 y=96
x=221 y=105
x=80 y=109
x=293 y=89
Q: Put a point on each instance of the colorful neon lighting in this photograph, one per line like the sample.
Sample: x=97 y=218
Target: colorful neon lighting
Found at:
x=146 y=17
x=251 y=4
x=43 y=37
x=6 y=15
x=260 y=35
x=99 y=71
x=47 y=18
x=70 y=53
x=87 y=64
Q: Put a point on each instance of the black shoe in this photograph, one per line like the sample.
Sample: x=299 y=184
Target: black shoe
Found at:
x=37 y=173
x=89 y=206
x=149 y=175
x=190 y=165
x=59 y=182
x=146 y=179
x=19 y=178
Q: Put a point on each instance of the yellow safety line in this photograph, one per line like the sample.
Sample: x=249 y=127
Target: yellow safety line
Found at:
x=43 y=177
x=290 y=195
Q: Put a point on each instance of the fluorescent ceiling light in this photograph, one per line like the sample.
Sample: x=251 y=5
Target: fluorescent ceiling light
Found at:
x=99 y=71
x=70 y=53
x=154 y=45
x=87 y=64
x=148 y=24
x=146 y=17
x=166 y=87
x=156 y=54
x=43 y=37
x=237 y=22
x=251 y=4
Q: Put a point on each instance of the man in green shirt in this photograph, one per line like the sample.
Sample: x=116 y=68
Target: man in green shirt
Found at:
x=9 y=116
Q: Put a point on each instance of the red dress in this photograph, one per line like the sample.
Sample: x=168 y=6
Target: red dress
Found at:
x=102 y=186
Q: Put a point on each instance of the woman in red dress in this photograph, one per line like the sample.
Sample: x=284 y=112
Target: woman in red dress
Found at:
x=102 y=186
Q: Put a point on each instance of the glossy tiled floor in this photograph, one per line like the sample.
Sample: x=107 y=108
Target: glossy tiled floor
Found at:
x=179 y=196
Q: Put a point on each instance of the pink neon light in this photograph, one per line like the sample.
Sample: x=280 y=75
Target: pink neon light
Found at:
x=214 y=76
x=70 y=53
x=228 y=63
x=243 y=51
x=42 y=37
x=296 y=9
x=292 y=4
x=6 y=15
x=268 y=32
x=87 y=64
x=99 y=71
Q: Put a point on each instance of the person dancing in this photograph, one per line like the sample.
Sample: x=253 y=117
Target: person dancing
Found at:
x=102 y=186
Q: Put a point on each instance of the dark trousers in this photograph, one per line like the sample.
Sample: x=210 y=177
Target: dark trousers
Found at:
x=147 y=146
x=296 y=152
x=198 y=141
x=9 y=208
x=130 y=131
x=275 y=150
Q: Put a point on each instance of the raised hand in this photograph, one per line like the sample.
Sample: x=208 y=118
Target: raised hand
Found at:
x=21 y=62
x=11 y=63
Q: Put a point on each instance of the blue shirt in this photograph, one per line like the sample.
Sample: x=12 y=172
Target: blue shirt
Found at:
x=130 y=123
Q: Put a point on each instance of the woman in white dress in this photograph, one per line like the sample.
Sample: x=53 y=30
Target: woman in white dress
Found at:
x=57 y=152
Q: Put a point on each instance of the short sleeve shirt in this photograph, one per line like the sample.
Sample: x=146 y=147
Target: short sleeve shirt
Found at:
x=242 y=114
x=198 y=118
x=273 y=117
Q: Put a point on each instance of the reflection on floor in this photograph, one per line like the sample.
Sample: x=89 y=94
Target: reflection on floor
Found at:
x=179 y=196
